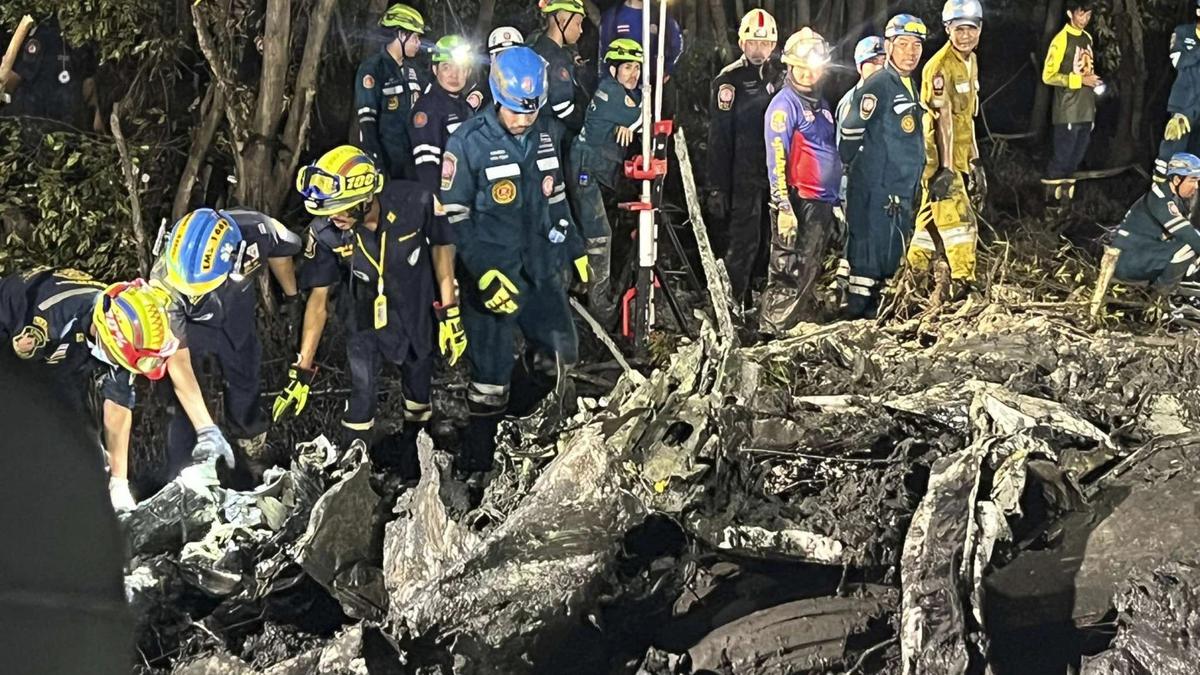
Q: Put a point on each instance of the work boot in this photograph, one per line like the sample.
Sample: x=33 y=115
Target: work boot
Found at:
x=478 y=450
x=118 y=492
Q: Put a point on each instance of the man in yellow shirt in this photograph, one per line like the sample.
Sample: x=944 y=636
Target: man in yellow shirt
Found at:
x=950 y=91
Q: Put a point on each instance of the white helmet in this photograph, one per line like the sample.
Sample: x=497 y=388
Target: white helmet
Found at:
x=502 y=38
x=963 y=11
x=758 y=25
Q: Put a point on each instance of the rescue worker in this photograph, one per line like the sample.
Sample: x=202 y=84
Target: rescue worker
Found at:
x=440 y=111
x=596 y=157
x=386 y=88
x=869 y=58
x=805 y=175
x=52 y=81
x=1070 y=69
x=504 y=192
x=740 y=94
x=884 y=148
x=946 y=226
x=388 y=246
x=504 y=37
x=208 y=264
x=85 y=331
x=1157 y=241
x=624 y=20
x=1184 y=101
x=564 y=24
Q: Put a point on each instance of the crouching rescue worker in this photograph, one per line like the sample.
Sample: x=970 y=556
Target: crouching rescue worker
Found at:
x=805 y=175
x=1158 y=243
x=885 y=150
x=208 y=263
x=388 y=247
x=442 y=109
x=84 y=331
x=738 y=186
x=613 y=118
x=953 y=175
x=504 y=193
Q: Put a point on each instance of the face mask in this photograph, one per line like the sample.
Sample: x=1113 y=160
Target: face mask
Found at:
x=99 y=353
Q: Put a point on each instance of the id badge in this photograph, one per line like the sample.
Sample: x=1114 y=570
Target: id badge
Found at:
x=380 y=312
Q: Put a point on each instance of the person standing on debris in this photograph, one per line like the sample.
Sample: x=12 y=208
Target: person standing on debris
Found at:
x=504 y=191
x=953 y=174
x=208 y=264
x=883 y=146
x=564 y=25
x=1184 y=102
x=613 y=118
x=386 y=88
x=84 y=331
x=624 y=20
x=805 y=174
x=1157 y=241
x=389 y=246
x=442 y=110
x=738 y=186
x=1070 y=69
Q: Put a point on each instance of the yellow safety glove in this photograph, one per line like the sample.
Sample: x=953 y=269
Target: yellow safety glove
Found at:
x=787 y=225
x=499 y=293
x=583 y=269
x=452 y=339
x=295 y=393
x=1178 y=127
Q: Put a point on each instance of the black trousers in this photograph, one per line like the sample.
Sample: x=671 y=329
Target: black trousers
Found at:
x=1070 y=147
x=794 y=268
x=748 y=236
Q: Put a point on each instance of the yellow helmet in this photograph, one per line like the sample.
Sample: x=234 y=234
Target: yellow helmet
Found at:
x=806 y=48
x=341 y=179
x=133 y=327
x=758 y=25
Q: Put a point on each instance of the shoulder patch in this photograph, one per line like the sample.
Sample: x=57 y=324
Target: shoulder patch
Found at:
x=725 y=95
x=310 y=244
x=449 y=168
x=1174 y=209
x=368 y=82
x=420 y=119
x=475 y=99
x=866 y=107
x=939 y=84
x=564 y=74
x=779 y=121
x=629 y=102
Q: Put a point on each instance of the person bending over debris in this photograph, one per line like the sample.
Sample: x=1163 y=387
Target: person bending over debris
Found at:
x=1070 y=69
x=882 y=144
x=83 y=330
x=740 y=95
x=208 y=264
x=385 y=90
x=613 y=118
x=1157 y=242
x=442 y=110
x=387 y=243
x=1182 y=133
x=504 y=191
x=805 y=175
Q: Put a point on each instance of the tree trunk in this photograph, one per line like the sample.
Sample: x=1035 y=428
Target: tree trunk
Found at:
x=857 y=19
x=1131 y=81
x=739 y=8
x=803 y=13
x=720 y=28
x=881 y=15
x=1041 y=100
x=211 y=114
x=254 y=185
x=768 y=5
x=487 y=9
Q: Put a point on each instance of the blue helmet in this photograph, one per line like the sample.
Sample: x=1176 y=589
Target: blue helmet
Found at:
x=868 y=48
x=1184 y=164
x=201 y=252
x=518 y=80
x=906 y=24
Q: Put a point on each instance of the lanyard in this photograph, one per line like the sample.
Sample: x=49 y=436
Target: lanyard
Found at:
x=378 y=266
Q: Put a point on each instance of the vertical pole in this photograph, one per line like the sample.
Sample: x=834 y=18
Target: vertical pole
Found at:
x=644 y=302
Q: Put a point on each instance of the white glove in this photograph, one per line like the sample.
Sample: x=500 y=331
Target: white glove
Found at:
x=118 y=492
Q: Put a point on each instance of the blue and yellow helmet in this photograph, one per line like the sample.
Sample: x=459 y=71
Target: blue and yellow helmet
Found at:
x=201 y=252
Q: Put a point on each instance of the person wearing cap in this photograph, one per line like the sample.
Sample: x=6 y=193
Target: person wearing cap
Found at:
x=564 y=24
x=805 y=173
x=208 y=263
x=737 y=184
x=386 y=244
x=84 y=331
x=442 y=109
x=386 y=87
x=1158 y=242
x=884 y=148
x=504 y=192
x=953 y=175
x=613 y=119
x=1070 y=68
x=1184 y=102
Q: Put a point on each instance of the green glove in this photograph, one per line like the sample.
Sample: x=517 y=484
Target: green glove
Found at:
x=452 y=339
x=295 y=393
x=499 y=293
x=1178 y=127
x=583 y=269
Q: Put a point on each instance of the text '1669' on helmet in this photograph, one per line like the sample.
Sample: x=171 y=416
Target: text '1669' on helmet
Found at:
x=200 y=253
x=518 y=80
x=343 y=178
x=134 y=329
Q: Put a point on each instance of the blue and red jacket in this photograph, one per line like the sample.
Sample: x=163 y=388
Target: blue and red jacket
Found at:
x=801 y=140
x=623 y=21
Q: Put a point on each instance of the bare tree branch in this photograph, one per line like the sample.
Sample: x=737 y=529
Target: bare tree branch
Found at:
x=211 y=114
x=131 y=184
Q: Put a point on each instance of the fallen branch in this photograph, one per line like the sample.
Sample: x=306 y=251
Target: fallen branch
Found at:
x=131 y=184
x=601 y=334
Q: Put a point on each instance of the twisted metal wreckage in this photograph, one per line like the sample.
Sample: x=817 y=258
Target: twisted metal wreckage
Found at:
x=850 y=498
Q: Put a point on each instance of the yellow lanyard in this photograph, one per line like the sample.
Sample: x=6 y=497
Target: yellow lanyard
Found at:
x=380 y=298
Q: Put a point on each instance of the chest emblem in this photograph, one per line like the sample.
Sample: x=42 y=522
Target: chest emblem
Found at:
x=504 y=192
x=908 y=124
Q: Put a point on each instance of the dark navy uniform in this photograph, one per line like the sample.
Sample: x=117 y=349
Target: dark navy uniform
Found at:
x=566 y=99
x=507 y=198
x=884 y=147
x=736 y=156
x=55 y=307
x=435 y=116
x=1185 y=94
x=222 y=324
x=384 y=95
x=52 y=75
x=1157 y=241
x=410 y=221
